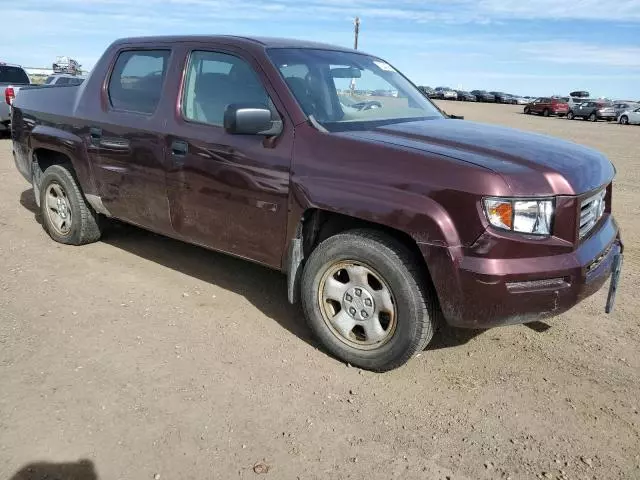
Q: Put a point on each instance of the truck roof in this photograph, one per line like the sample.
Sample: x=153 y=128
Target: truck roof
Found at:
x=233 y=40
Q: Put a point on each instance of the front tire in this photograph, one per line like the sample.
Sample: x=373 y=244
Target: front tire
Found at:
x=527 y=111
x=366 y=299
x=546 y=112
x=593 y=117
x=66 y=215
x=570 y=115
x=624 y=120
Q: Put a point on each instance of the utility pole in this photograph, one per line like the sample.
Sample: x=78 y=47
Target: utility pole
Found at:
x=356 y=32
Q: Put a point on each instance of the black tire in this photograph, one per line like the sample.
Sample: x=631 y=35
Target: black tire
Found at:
x=85 y=222
x=570 y=115
x=593 y=117
x=624 y=120
x=415 y=303
x=546 y=112
x=527 y=111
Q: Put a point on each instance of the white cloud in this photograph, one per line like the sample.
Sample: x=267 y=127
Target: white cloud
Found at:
x=583 y=53
x=618 y=10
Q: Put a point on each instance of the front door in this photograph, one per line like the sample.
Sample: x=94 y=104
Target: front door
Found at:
x=130 y=150
x=227 y=192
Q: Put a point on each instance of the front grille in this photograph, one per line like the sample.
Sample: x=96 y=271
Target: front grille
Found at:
x=591 y=210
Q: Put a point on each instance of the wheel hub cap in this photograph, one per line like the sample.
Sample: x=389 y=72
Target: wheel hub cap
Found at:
x=358 y=303
x=57 y=208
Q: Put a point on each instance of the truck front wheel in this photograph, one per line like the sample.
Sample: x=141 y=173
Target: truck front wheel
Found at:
x=367 y=301
x=66 y=215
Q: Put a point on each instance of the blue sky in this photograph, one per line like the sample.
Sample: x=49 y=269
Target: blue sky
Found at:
x=527 y=47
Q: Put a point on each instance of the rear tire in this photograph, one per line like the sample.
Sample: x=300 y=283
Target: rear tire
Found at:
x=546 y=112
x=570 y=115
x=388 y=280
x=624 y=120
x=66 y=215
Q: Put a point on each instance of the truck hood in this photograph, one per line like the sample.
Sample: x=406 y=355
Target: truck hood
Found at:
x=530 y=164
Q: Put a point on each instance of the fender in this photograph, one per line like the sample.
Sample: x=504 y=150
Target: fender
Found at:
x=68 y=144
x=427 y=222
x=420 y=217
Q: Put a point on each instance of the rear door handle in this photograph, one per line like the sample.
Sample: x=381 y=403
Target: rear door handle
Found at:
x=179 y=148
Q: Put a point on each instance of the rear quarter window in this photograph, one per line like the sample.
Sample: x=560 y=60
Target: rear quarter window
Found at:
x=137 y=79
x=14 y=75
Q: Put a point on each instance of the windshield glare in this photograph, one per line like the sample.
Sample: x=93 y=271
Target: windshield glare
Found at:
x=346 y=90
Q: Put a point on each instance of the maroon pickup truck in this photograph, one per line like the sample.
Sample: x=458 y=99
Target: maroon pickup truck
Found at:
x=386 y=215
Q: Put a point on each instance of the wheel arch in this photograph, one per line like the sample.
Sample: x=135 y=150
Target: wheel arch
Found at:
x=410 y=220
x=50 y=145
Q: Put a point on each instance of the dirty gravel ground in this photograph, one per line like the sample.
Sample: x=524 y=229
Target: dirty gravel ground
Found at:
x=149 y=358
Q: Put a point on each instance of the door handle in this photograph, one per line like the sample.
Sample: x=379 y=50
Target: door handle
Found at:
x=179 y=148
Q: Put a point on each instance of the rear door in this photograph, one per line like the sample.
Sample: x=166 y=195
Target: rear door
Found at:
x=535 y=105
x=127 y=136
x=227 y=192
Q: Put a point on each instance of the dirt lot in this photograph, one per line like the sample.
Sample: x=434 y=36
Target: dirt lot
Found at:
x=149 y=358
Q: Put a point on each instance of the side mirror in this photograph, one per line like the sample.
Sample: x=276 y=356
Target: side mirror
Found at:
x=250 y=119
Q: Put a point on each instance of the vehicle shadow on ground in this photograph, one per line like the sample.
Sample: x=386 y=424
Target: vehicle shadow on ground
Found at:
x=266 y=289
x=80 y=470
x=448 y=337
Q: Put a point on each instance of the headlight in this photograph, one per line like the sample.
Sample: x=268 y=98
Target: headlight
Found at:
x=525 y=216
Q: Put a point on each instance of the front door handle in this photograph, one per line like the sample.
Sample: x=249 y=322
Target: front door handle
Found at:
x=179 y=148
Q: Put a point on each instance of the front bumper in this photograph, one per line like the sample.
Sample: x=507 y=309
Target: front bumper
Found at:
x=477 y=292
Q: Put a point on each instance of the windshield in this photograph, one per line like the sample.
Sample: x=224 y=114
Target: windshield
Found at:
x=15 y=75
x=346 y=90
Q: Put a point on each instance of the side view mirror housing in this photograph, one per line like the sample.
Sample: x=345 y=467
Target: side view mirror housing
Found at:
x=250 y=119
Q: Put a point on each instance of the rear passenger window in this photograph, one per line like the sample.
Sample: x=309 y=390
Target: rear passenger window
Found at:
x=63 y=81
x=136 y=81
x=216 y=80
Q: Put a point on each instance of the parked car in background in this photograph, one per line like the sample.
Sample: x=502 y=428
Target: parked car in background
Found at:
x=630 y=117
x=593 y=111
x=476 y=225
x=501 y=97
x=466 y=96
x=547 y=106
x=12 y=78
x=384 y=93
x=427 y=91
x=621 y=106
x=446 y=93
x=521 y=100
x=483 y=96
x=578 y=97
x=63 y=79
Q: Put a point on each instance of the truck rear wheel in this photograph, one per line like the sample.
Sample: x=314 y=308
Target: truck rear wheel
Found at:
x=66 y=215
x=365 y=299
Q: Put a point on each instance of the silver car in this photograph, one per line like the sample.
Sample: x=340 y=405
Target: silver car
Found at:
x=622 y=106
x=12 y=77
x=59 y=79
x=630 y=116
x=445 y=93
